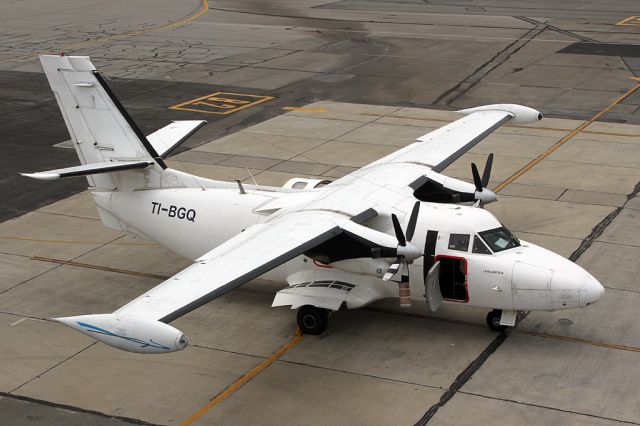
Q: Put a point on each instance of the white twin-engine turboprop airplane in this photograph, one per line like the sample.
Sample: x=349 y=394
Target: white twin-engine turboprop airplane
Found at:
x=393 y=228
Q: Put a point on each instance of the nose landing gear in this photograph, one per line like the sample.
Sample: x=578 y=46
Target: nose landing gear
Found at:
x=493 y=320
x=312 y=320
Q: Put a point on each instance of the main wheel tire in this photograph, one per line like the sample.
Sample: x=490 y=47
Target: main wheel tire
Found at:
x=493 y=320
x=312 y=320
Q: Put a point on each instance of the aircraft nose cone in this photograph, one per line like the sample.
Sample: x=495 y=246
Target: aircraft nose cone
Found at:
x=591 y=290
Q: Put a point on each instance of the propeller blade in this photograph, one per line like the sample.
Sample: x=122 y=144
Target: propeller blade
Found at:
x=476 y=177
x=486 y=174
x=399 y=234
x=413 y=220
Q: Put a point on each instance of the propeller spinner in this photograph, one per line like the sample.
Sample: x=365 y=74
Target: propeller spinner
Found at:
x=406 y=252
x=483 y=194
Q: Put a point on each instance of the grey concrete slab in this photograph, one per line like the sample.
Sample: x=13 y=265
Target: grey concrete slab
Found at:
x=633 y=203
x=198 y=156
x=79 y=205
x=532 y=191
x=384 y=134
x=307 y=61
x=340 y=171
x=210 y=171
x=570 y=376
x=258 y=163
x=263 y=144
x=30 y=413
x=590 y=197
x=584 y=177
x=599 y=152
x=614 y=265
x=344 y=111
x=70 y=290
x=625 y=229
x=558 y=76
x=605 y=322
x=166 y=388
x=345 y=153
x=322 y=396
x=137 y=255
x=564 y=246
x=241 y=322
x=22 y=361
x=19 y=269
x=40 y=234
x=372 y=343
x=302 y=168
x=466 y=409
x=271 y=178
x=291 y=125
x=259 y=78
x=548 y=217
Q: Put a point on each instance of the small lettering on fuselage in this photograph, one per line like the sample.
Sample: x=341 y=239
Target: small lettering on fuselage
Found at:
x=174 y=211
x=488 y=271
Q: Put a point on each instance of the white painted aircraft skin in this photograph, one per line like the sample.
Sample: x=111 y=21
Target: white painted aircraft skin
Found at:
x=334 y=244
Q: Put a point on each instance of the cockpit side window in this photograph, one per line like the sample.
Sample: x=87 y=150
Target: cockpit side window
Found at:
x=459 y=242
x=479 y=247
x=499 y=239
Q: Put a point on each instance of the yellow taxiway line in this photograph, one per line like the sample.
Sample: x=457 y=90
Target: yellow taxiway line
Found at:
x=229 y=390
x=565 y=139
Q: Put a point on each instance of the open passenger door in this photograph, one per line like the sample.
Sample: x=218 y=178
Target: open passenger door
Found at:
x=432 y=284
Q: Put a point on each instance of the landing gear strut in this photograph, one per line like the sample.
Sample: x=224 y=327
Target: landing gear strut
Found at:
x=493 y=320
x=312 y=320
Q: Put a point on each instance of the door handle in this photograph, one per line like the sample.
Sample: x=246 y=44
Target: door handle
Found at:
x=496 y=288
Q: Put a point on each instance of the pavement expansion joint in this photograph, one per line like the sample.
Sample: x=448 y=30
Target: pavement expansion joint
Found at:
x=548 y=407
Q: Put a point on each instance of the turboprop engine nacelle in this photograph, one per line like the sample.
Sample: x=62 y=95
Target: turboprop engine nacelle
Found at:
x=437 y=188
x=302 y=183
x=129 y=334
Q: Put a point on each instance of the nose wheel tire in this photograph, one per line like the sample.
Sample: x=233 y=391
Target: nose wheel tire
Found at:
x=312 y=320
x=493 y=320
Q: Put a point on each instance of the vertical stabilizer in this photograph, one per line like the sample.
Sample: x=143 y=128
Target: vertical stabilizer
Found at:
x=101 y=130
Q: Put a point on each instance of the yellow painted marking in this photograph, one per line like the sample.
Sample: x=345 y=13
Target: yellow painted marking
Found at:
x=562 y=141
x=631 y=21
x=304 y=109
x=221 y=103
x=96 y=41
x=99 y=268
x=36 y=240
x=229 y=390
x=583 y=341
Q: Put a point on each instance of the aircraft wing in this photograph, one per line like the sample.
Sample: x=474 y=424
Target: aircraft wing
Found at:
x=244 y=257
x=438 y=149
x=257 y=250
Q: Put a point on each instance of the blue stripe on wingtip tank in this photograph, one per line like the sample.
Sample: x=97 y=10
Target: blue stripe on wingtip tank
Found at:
x=143 y=344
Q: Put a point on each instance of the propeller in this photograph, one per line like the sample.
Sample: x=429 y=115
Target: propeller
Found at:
x=405 y=252
x=483 y=195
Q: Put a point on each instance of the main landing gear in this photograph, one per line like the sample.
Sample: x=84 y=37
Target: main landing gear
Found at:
x=312 y=320
x=493 y=320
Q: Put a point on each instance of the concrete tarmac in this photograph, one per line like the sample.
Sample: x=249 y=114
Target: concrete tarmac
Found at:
x=342 y=84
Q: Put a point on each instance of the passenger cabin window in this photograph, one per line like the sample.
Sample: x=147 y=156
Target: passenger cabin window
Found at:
x=459 y=242
x=479 y=247
x=499 y=239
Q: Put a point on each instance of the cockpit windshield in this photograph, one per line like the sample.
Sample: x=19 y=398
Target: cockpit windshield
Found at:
x=499 y=239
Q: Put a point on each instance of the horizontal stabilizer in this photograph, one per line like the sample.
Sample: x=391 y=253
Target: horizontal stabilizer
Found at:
x=165 y=140
x=89 y=169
